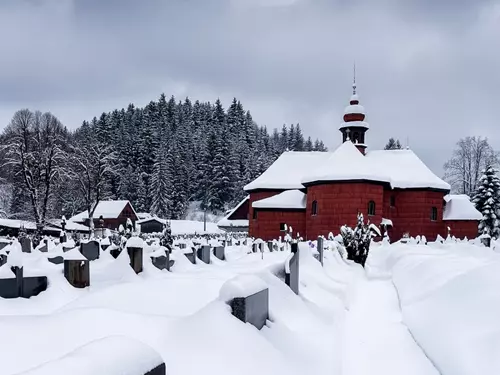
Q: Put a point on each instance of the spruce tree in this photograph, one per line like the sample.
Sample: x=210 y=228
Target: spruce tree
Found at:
x=487 y=201
x=160 y=181
x=393 y=144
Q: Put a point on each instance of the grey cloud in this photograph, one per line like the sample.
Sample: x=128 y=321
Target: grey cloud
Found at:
x=427 y=70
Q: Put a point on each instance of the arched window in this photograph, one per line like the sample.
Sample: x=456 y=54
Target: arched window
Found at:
x=434 y=214
x=314 y=208
x=371 y=208
x=355 y=138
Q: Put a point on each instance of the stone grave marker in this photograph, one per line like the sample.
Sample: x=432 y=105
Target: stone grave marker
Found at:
x=219 y=252
x=20 y=286
x=292 y=269
x=255 y=247
x=270 y=246
x=135 y=255
x=321 y=249
x=204 y=253
x=192 y=255
x=90 y=250
x=56 y=260
x=76 y=269
x=253 y=309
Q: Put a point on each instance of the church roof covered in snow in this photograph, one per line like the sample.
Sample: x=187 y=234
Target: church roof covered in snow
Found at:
x=402 y=169
x=459 y=207
x=287 y=171
x=289 y=199
x=106 y=209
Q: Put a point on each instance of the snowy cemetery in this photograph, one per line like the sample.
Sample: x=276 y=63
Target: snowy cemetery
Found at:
x=222 y=304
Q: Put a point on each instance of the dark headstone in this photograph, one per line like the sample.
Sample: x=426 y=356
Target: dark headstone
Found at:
x=182 y=245
x=321 y=249
x=105 y=246
x=204 y=253
x=158 y=370
x=90 y=250
x=255 y=247
x=292 y=277
x=115 y=252
x=486 y=241
x=191 y=256
x=33 y=286
x=163 y=262
x=3 y=259
x=20 y=286
x=219 y=252
x=270 y=246
x=77 y=272
x=135 y=254
x=56 y=260
x=3 y=244
x=253 y=309
x=44 y=248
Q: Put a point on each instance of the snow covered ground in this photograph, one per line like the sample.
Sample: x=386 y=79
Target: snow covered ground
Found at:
x=416 y=310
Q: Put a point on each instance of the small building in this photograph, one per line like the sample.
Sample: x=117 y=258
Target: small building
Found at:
x=236 y=219
x=11 y=227
x=113 y=213
x=152 y=225
x=461 y=216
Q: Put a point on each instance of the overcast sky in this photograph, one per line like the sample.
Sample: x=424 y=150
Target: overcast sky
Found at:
x=427 y=70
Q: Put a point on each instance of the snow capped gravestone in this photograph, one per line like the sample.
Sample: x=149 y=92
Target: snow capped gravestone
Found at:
x=134 y=249
x=161 y=259
x=90 y=249
x=204 y=253
x=292 y=269
x=248 y=297
x=191 y=255
x=270 y=246
x=76 y=268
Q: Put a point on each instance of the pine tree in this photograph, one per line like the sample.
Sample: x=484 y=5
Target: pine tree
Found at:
x=160 y=181
x=308 y=146
x=393 y=144
x=487 y=201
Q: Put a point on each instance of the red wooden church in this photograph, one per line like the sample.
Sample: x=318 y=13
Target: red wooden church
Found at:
x=318 y=192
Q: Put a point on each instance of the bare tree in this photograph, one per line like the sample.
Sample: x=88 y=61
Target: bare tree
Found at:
x=463 y=170
x=92 y=165
x=34 y=152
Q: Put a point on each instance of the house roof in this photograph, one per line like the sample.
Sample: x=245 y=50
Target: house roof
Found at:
x=401 y=169
x=226 y=222
x=152 y=218
x=287 y=171
x=289 y=199
x=106 y=209
x=459 y=207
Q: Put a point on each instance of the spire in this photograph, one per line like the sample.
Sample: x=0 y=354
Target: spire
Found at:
x=354 y=81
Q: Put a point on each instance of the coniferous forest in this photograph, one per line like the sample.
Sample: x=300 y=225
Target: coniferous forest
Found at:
x=160 y=157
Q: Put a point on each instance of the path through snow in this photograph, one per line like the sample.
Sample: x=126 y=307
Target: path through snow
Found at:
x=376 y=342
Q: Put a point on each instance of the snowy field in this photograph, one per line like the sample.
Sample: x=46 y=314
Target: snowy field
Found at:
x=416 y=310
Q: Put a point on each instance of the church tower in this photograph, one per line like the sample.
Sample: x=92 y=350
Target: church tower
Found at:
x=354 y=127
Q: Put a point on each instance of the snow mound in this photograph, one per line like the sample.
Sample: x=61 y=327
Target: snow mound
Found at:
x=241 y=286
x=135 y=242
x=459 y=207
x=115 y=355
x=289 y=199
x=73 y=254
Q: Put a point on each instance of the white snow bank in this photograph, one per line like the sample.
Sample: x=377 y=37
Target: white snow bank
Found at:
x=450 y=302
x=241 y=286
x=135 y=242
x=115 y=355
x=15 y=257
x=289 y=199
x=459 y=207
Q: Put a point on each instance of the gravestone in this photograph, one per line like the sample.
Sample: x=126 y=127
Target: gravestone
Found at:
x=56 y=260
x=292 y=269
x=253 y=309
x=321 y=249
x=182 y=245
x=204 y=253
x=3 y=259
x=77 y=272
x=255 y=247
x=90 y=250
x=115 y=252
x=3 y=244
x=191 y=256
x=163 y=262
x=270 y=246
x=219 y=252
x=135 y=255
x=45 y=246
x=20 y=286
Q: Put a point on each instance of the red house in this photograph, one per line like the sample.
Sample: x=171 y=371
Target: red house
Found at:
x=318 y=192
x=113 y=213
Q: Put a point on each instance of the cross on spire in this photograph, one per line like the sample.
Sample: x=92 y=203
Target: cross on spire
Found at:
x=354 y=80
